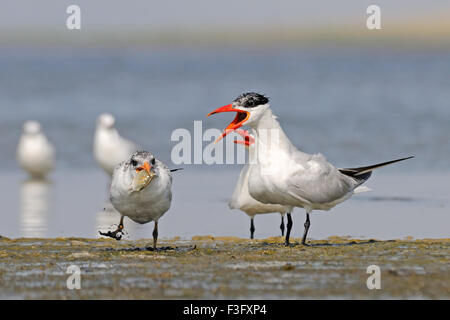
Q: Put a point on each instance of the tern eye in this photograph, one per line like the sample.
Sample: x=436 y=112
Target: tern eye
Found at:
x=134 y=163
x=153 y=161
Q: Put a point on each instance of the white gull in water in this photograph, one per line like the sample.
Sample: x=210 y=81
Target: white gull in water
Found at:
x=110 y=148
x=35 y=154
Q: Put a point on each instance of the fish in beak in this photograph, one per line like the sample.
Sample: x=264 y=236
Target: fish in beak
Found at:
x=238 y=121
x=143 y=177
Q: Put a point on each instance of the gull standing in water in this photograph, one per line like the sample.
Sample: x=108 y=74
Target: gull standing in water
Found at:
x=243 y=201
x=35 y=154
x=141 y=191
x=109 y=147
x=285 y=175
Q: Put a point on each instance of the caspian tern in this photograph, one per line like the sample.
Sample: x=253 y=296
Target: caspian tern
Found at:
x=285 y=175
x=109 y=147
x=35 y=153
x=141 y=191
x=243 y=201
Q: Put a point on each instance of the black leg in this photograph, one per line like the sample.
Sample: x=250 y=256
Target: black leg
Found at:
x=305 y=233
x=116 y=234
x=282 y=226
x=252 y=228
x=155 y=235
x=289 y=227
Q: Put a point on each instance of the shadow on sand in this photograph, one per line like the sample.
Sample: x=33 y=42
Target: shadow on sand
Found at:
x=325 y=244
x=158 y=249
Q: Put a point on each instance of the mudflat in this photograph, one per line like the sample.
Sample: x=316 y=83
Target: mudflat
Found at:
x=208 y=267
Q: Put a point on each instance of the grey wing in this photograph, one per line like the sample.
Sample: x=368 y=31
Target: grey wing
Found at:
x=318 y=181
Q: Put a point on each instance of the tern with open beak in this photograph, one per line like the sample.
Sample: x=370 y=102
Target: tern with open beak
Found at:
x=141 y=191
x=285 y=175
x=243 y=201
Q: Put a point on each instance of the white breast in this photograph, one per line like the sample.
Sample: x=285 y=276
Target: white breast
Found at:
x=35 y=154
x=242 y=200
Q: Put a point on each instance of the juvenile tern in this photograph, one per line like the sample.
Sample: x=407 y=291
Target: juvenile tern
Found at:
x=110 y=148
x=35 y=154
x=243 y=201
x=285 y=175
x=141 y=191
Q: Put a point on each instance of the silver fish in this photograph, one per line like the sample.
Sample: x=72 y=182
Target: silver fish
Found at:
x=142 y=179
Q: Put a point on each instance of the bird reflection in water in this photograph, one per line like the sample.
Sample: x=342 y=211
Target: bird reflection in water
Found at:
x=35 y=207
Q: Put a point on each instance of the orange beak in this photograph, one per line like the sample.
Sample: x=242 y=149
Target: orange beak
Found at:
x=145 y=167
x=238 y=121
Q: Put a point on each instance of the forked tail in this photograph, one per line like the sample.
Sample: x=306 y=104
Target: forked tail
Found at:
x=363 y=173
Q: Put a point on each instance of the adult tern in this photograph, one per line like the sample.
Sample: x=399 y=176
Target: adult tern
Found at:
x=243 y=201
x=285 y=175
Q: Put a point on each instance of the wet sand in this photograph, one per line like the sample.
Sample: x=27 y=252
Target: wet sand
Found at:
x=223 y=267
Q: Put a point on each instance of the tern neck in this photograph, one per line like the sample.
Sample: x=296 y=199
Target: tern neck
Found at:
x=269 y=133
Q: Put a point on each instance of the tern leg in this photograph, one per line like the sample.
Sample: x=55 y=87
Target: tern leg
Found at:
x=289 y=227
x=252 y=228
x=282 y=226
x=307 y=224
x=155 y=235
x=120 y=226
x=116 y=234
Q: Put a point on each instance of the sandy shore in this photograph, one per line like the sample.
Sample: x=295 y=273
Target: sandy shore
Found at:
x=223 y=267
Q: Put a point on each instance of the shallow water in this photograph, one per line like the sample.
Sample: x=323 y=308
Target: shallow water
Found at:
x=354 y=105
x=75 y=204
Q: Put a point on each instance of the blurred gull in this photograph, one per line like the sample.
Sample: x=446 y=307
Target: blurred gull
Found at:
x=35 y=153
x=109 y=147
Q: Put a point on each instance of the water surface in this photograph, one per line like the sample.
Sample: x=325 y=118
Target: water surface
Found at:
x=354 y=105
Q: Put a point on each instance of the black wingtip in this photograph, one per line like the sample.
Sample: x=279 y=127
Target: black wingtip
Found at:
x=379 y=165
x=356 y=172
x=173 y=170
x=410 y=157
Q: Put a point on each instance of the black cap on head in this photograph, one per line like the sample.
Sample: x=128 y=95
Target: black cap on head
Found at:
x=250 y=100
